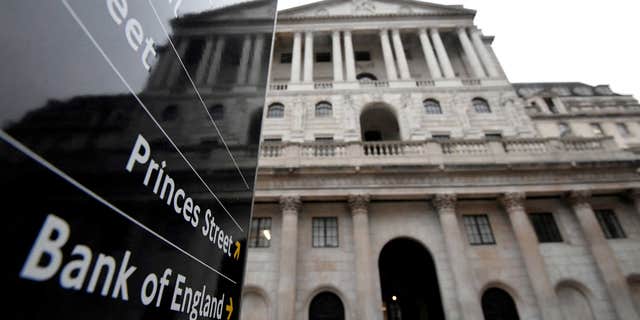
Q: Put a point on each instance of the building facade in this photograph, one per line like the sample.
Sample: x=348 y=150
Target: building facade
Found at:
x=402 y=176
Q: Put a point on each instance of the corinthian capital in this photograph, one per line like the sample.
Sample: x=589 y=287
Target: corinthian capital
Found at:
x=359 y=202
x=445 y=202
x=290 y=203
x=513 y=200
x=580 y=197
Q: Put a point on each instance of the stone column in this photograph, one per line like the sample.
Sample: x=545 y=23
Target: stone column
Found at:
x=203 y=67
x=245 y=54
x=429 y=55
x=476 y=67
x=388 y=55
x=365 y=296
x=290 y=206
x=176 y=67
x=295 y=57
x=533 y=260
x=467 y=293
x=308 y=56
x=617 y=286
x=349 y=57
x=483 y=52
x=216 y=60
x=337 y=56
x=443 y=57
x=256 y=62
x=161 y=68
x=401 y=57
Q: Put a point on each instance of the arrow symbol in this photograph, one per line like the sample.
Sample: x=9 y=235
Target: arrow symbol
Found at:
x=236 y=254
x=229 y=307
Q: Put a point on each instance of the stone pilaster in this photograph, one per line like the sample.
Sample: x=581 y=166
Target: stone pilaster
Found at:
x=387 y=54
x=441 y=51
x=614 y=279
x=366 y=301
x=290 y=206
x=429 y=55
x=466 y=291
x=533 y=260
x=337 y=56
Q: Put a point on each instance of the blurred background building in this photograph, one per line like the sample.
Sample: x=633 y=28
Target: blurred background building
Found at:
x=402 y=176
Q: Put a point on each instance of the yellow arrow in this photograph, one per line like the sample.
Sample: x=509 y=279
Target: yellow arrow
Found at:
x=229 y=308
x=236 y=254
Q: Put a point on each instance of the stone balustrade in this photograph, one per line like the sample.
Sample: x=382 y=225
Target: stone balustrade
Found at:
x=384 y=84
x=438 y=152
x=591 y=109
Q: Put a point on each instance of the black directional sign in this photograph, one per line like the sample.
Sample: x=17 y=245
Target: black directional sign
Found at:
x=128 y=148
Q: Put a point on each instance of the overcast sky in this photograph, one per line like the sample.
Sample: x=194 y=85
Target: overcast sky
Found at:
x=595 y=42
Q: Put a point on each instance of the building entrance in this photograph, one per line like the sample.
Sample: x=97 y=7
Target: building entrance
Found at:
x=409 y=282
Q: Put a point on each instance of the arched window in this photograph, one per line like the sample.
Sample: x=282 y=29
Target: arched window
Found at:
x=480 y=105
x=326 y=306
x=275 y=110
x=432 y=106
x=324 y=109
x=497 y=304
x=217 y=112
x=365 y=76
x=170 y=113
x=564 y=128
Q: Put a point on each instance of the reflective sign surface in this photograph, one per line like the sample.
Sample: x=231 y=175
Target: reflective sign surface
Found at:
x=129 y=144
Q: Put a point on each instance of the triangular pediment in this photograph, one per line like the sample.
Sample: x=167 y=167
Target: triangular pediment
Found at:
x=340 y=8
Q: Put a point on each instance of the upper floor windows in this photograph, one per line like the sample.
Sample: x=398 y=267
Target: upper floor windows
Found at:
x=323 y=57
x=217 y=112
x=286 y=58
x=260 y=233
x=324 y=109
x=365 y=76
x=551 y=105
x=596 y=128
x=610 y=225
x=362 y=56
x=480 y=105
x=623 y=129
x=545 y=227
x=325 y=232
x=478 y=229
x=170 y=113
x=275 y=110
x=564 y=129
x=432 y=106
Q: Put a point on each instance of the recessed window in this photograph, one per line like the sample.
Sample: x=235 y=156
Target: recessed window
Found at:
x=432 y=106
x=481 y=105
x=325 y=232
x=441 y=137
x=493 y=136
x=363 y=56
x=610 y=225
x=260 y=234
x=478 y=229
x=551 y=105
x=564 y=129
x=623 y=129
x=408 y=54
x=323 y=57
x=170 y=113
x=275 y=110
x=324 y=109
x=596 y=128
x=286 y=58
x=365 y=76
x=217 y=112
x=545 y=227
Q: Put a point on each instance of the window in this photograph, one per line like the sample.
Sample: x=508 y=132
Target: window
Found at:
x=275 y=110
x=545 y=226
x=365 y=76
x=325 y=232
x=170 y=113
x=610 y=225
x=493 y=136
x=596 y=128
x=217 y=112
x=260 y=234
x=323 y=57
x=480 y=105
x=407 y=54
x=551 y=105
x=441 y=137
x=564 y=128
x=324 y=109
x=432 y=106
x=478 y=229
x=363 y=56
x=623 y=129
x=285 y=58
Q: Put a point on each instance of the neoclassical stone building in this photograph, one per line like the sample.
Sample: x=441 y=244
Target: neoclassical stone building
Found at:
x=402 y=176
